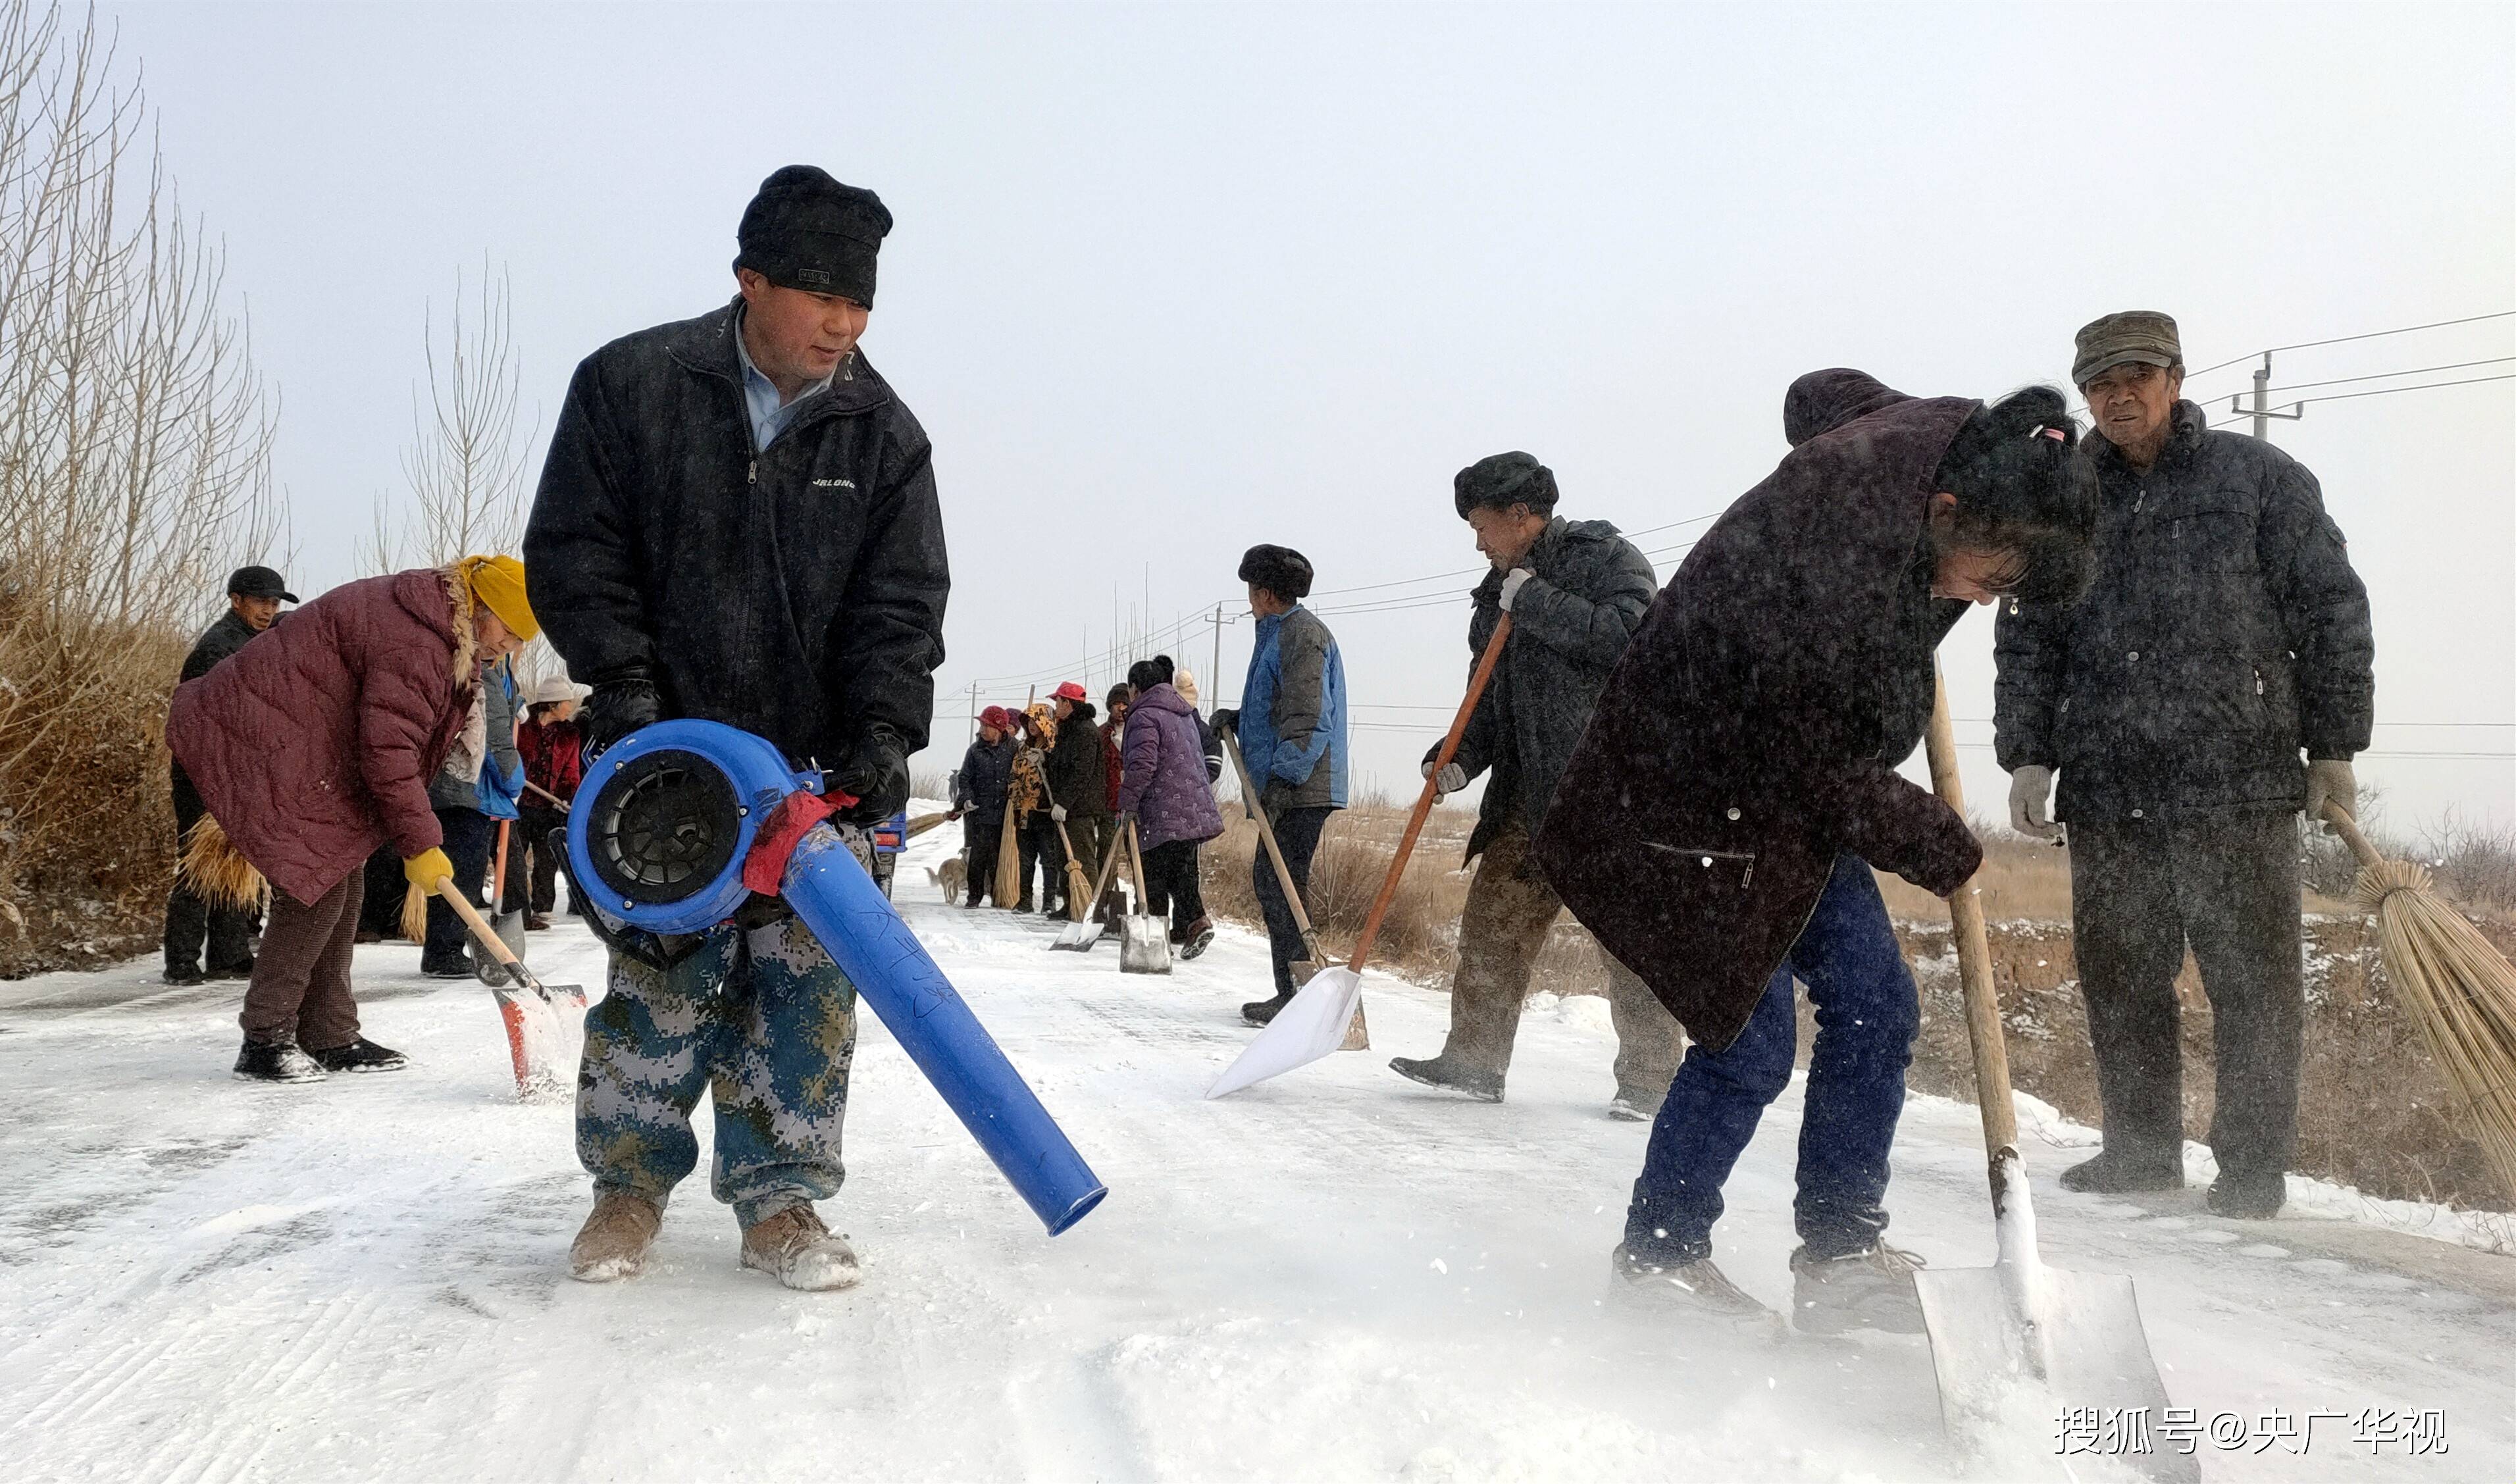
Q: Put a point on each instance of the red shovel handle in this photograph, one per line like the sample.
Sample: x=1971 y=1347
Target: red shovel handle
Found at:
x=1424 y=801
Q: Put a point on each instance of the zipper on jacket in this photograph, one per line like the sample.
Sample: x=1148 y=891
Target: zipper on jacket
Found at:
x=751 y=472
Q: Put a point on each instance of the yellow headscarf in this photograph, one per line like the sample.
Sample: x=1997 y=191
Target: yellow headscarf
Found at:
x=498 y=584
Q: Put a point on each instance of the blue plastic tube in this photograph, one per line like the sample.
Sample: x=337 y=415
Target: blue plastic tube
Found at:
x=864 y=936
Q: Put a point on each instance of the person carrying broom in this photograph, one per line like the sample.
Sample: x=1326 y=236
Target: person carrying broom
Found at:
x=1716 y=826
x=313 y=745
x=2179 y=741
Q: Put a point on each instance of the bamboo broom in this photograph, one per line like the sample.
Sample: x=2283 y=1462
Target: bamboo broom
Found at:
x=1006 y=885
x=2459 y=988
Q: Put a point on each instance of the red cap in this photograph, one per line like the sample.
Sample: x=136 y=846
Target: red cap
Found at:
x=1069 y=691
x=994 y=716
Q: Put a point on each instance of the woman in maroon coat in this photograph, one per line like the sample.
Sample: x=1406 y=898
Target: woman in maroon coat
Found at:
x=1717 y=824
x=314 y=746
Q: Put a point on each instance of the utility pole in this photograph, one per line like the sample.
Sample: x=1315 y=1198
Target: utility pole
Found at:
x=974 y=710
x=1214 y=671
x=2261 y=410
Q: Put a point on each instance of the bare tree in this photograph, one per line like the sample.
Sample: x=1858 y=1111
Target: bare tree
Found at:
x=465 y=463
x=135 y=431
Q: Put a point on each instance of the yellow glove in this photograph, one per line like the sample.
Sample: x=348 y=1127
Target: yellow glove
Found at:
x=428 y=868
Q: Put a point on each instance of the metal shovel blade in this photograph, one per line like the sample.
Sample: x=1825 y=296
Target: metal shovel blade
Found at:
x=1312 y=1025
x=2018 y=1344
x=1077 y=937
x=1144 y=945
x=509 y=928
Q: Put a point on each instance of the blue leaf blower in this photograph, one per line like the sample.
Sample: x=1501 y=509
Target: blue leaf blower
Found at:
x=662 y=827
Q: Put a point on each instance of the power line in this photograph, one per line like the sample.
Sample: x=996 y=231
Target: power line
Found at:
x=2299 y=386
x=2426 y=386
x=2308 y=345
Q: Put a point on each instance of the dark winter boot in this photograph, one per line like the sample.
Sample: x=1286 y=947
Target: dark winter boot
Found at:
x=277 y=1060
x=1450 y=1077
x=360 y=1055
x=1259 y=1012
x=183 y=974
x=1864 y=1291
x=2248 y=1197
x=613 y=1242
x=1696 y=1289
x=800 y=1252
x=1197 y=939
x=2112 y=1173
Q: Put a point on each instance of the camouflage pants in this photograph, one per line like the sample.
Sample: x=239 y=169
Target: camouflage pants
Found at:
x=762 y=1018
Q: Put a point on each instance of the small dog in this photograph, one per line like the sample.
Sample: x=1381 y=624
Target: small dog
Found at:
x=953 y=875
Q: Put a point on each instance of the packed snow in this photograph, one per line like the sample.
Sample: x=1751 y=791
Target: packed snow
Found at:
x=1335 y=1275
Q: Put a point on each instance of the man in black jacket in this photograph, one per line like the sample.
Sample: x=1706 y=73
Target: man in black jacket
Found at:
x=737 y=522
x=1075 y=773
x=1577 y=591
x=254 y=596
x=2224 y=635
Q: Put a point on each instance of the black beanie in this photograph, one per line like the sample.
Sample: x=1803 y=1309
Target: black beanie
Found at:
x=1503 y=480
x=805 y=230
x=1281 y=569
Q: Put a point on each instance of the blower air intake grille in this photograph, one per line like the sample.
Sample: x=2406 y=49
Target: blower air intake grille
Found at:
x=664 y=826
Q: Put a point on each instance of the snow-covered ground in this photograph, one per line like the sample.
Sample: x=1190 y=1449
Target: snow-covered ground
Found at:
x=1333 y=1276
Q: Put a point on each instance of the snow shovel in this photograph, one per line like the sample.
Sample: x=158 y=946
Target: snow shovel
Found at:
x=1143 y=940
x=1306 y=967
x=539 y=1017
x=508 y=926
x=1327 y=1014
x=1078 y=937
x=2018 y=1342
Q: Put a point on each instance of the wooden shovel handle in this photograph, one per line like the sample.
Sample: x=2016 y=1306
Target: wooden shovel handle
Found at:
x=498 y=883
x=1477 y=682
x=1974 y=950
x=557 y=802
x=1275 y=852
x=487 y=935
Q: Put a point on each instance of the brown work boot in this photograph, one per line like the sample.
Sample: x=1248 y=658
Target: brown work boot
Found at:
x=612 y=1244
x=803 y=1254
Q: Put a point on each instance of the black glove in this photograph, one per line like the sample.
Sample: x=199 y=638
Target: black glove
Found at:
x=876 y=772
x=617 y=708
x=1228 y=719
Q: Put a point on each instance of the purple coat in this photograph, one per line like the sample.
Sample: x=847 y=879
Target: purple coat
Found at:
x=1164 y=785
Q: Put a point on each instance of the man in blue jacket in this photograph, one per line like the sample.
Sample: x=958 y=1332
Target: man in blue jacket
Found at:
x=1291 y=729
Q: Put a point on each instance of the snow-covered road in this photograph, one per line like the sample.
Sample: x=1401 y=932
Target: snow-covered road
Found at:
x=1334 y=1276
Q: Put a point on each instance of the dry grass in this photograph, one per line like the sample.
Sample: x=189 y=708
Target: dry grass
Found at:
x=2375 y=1111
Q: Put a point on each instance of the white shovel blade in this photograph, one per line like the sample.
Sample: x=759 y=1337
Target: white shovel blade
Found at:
x=545 y=1038
x=2096 y=1355
x=1310 y=1026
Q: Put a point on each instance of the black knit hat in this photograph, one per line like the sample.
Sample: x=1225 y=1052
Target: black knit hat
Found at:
x=1281 y=569
x=805 y=230
x=1503 y=480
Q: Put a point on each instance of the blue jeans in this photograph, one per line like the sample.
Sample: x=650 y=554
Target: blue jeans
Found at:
x=1867 y=1011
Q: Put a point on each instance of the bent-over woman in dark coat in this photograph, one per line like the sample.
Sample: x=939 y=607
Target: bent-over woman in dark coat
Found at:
x=1717 y=824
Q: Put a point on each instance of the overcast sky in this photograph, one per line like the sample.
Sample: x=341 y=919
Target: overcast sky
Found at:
x=1168 y=281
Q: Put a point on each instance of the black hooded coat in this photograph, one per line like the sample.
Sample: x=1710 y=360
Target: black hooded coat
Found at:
x=1751 y=733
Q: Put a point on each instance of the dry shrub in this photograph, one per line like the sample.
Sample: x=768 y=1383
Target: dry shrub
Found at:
x=1420 y=939
x=134 y=473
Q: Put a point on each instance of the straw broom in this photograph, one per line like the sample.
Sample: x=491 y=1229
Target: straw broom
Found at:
x=216 y=870
x=2458 y=988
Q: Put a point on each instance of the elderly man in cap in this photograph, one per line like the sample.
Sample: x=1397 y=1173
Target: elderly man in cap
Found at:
x=254 y=596
x=1078 y=773
x=737 y=522
x=979 y=792
x=2215 y=681
x=1577 y=591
